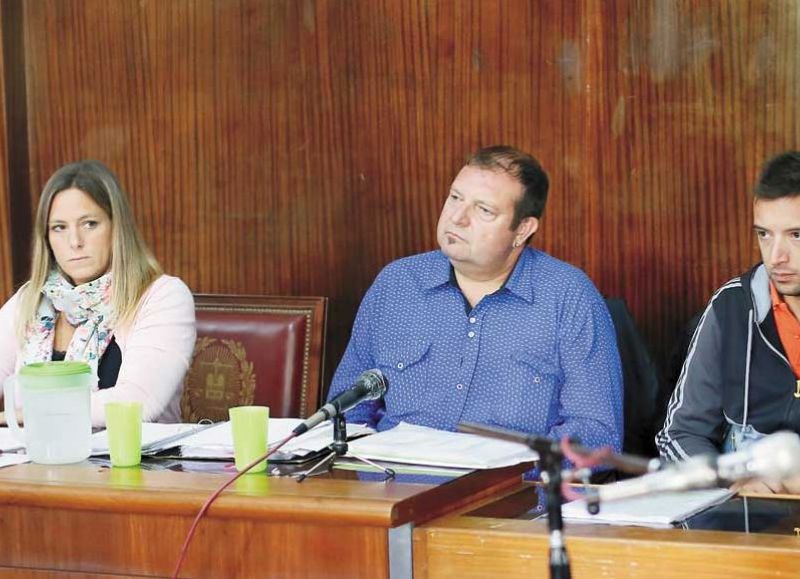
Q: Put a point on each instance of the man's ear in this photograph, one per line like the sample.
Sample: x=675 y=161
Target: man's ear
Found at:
x=526 y=228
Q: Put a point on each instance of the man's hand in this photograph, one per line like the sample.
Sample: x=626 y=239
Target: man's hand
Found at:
x=790 y=486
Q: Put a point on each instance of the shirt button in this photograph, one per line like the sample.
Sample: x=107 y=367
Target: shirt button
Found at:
x=400 y=365
x=473 y=320
x=459 y=386
x=471 y=334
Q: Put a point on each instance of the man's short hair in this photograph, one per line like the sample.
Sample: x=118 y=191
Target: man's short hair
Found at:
x=525 y=169
x=780 y=177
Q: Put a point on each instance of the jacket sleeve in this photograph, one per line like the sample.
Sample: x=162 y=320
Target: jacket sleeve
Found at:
x=590 y=404
x=157 y=352
x=8 y=343
x=694 y=422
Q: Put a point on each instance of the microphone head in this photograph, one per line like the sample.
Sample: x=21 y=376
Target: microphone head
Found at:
x=374 y=384
x=774 y=457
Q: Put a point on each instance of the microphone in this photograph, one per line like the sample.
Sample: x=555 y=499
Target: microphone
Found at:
x=774 y=457
x=371 y=385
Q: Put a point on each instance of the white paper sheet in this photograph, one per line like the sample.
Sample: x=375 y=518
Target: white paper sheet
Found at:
x=12 y=459
x=8 y=442
x=656 y=510
x=217 y=442
x=8 y=446
x=409 y=443
x=154 y=436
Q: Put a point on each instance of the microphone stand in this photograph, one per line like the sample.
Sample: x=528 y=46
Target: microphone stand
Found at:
x=550 y=460
x=338 y=448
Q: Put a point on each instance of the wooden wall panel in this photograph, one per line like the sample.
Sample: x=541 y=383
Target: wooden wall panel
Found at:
x=295 y=147
x=692 y=97
x=6 y=268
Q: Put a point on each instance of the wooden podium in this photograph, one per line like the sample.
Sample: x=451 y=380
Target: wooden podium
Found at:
x=494 y=543
x=91 y=520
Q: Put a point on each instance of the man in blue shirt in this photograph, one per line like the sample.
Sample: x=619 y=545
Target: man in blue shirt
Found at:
x=487 y=329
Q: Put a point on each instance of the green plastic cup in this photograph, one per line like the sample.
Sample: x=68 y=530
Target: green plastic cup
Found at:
x=126 y=478
x=253 y=485
x=249 y=426
x=124 y=425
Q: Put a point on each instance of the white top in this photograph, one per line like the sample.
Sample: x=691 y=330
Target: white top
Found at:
x=156 y=350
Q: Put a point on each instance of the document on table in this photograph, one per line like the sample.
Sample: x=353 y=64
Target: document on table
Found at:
x=9 y=445
x=656 y=510
x=409 y=443
x=155 y=436
x=8 y=442
x=12 y=459
x=217 y=442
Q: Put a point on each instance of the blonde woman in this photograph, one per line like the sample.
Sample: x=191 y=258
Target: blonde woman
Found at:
x=97 y=294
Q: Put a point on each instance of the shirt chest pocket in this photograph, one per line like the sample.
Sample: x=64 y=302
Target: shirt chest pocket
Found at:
x=406 y=369
x=531 y=373
x=528 y=398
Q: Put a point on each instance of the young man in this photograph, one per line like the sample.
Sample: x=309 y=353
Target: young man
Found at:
x=741 y=377
x=487 y=329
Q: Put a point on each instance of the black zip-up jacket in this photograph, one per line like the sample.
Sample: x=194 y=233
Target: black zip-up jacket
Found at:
x=736 y=372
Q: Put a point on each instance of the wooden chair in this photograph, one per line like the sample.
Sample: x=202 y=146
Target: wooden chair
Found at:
x=262 y=350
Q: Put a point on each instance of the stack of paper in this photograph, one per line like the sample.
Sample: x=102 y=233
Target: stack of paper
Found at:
x=217 y=442
x=155 y=436
x=409 y=443
x=212 y=441
x=656 y=510
x=12 y=459
x=11 y=449
x=8 y=442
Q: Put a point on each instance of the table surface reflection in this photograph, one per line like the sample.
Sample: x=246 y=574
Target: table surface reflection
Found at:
x=749 y=514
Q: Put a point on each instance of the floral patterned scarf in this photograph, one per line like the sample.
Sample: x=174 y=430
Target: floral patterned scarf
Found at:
x=87 y=307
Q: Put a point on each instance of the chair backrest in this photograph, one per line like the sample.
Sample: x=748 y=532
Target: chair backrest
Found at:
x=263 y=350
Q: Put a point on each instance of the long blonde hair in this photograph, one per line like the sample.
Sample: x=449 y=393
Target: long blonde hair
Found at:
x=133 y=267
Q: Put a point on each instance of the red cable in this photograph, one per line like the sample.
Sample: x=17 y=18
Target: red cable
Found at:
x=214 y=496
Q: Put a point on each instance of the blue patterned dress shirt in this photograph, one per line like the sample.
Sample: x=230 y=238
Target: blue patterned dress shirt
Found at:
x=538 y=356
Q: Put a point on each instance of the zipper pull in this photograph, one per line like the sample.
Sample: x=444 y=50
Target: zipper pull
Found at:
x=797 y=389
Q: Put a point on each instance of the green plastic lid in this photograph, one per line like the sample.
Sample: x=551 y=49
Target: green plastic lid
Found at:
x=52 y=369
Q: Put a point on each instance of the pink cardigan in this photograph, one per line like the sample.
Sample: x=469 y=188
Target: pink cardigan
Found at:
x=156 y=351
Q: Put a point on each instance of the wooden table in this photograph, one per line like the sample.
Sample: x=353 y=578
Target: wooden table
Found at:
x=87 y=519
x=508 y=548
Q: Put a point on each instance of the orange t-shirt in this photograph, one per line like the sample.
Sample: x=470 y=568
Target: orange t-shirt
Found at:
x=788 y=329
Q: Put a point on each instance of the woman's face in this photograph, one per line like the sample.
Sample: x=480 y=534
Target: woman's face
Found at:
x=79 y=232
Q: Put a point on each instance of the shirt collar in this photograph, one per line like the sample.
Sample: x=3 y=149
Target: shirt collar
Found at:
x=520 y=282
x=777 y=300
x=438 y=273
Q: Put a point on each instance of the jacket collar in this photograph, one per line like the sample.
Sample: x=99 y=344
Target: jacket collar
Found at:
x=758 y=280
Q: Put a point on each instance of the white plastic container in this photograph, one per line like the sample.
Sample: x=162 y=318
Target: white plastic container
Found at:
x=56 y=410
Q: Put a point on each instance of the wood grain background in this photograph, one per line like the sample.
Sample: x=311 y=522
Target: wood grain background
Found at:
x=297 y=146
